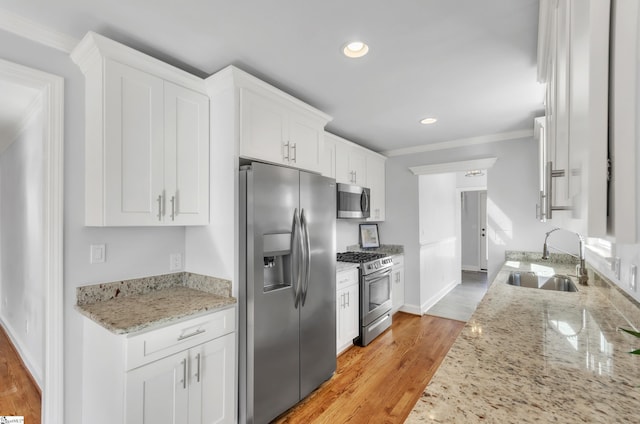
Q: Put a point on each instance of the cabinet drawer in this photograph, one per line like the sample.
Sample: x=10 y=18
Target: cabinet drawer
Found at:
x=346 y=278
x=398 y=261
x=156 y=344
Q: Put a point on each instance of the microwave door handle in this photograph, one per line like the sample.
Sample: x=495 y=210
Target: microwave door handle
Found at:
x=364 y=197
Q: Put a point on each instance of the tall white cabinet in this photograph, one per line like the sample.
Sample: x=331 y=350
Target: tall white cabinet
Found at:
x=574 y=62
x=147 y=138
x=347 y=308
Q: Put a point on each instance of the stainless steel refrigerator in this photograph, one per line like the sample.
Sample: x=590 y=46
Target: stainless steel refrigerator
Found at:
x=287 y=288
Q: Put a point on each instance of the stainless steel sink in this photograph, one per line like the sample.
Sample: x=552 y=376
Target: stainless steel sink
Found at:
x=535 y=281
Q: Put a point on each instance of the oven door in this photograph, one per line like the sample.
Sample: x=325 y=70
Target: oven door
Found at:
x=375 y=298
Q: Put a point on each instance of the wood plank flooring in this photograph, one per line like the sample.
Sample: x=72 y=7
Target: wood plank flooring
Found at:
x=381 y=382
x=19 y=395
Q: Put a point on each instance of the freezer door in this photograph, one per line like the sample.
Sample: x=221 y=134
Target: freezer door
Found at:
x=318 y=310
x=272 y=320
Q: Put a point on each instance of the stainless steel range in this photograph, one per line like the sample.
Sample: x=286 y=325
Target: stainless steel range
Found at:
x=375 y=293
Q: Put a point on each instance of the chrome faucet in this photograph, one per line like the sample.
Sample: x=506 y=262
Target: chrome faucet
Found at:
x=581 y=270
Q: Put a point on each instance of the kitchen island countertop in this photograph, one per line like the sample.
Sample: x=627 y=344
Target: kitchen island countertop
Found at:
x=530 y=355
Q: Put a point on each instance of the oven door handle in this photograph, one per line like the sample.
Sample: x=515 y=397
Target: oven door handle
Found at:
x=306 y=256
x=378 y=275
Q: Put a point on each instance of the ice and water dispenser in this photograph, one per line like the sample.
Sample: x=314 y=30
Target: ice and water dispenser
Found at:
x=277 y=261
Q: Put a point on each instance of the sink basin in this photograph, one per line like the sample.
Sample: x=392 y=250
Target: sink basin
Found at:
x=535 y=281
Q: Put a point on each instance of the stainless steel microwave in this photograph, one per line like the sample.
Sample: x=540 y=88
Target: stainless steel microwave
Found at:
x=353 y=201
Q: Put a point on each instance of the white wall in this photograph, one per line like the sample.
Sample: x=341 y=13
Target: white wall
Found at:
x=512 y=195
x=22 y=304
x=347 y=234
x=438 y=227
x=131 y=252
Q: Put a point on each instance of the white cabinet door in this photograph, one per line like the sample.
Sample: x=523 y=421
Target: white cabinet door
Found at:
x=186 y=178
x=212 y=375
x=347 y=320
x=328 y=165
x=376 y=182
x=351 y=165
x=158 y=393
x=263 y=129
x=397 y=290
x=273 y=132
x=133 y=150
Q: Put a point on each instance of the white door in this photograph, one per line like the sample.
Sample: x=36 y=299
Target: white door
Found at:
x=158 y=393
x=212 y=375
x=482 y=216
x=186 y=156
x=134 y=146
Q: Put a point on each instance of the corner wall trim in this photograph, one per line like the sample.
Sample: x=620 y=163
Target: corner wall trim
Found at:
x=465 y=165
x=34 y=31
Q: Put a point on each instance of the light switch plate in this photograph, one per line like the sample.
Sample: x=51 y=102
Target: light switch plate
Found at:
x=633 y=278
x=98 y=253
x=175 y=262
x=617 y=263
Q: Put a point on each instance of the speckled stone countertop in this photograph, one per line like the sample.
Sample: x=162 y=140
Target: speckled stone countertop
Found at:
x=388 y=249
x=124 y=307
x=344 y=266
x=530 y=355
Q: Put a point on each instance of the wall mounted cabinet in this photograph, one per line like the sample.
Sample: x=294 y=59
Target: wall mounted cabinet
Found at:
x=574 y=61
x=265 y=123
x=350 y=163
x=147 y=139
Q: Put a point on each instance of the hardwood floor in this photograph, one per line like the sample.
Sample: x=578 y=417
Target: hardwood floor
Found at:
x=19 y=395
x=381 y=382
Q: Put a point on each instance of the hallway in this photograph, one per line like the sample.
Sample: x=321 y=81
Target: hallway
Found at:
x=461 y=302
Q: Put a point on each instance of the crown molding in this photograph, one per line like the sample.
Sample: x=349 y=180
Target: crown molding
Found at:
x=26 y=28
x=462 y=142
x=465 y=165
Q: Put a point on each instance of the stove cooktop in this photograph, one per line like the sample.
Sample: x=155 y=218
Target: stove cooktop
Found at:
x=359 y=257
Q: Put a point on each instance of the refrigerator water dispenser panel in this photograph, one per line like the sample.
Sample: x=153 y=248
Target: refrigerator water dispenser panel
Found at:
x=276 y=250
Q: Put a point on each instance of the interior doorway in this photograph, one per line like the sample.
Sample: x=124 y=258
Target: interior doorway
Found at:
x=50 y=98
x=473 y=230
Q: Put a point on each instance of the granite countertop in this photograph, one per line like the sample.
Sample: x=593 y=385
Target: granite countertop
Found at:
x=530 y=355
x=344 y=266
x=129 y=306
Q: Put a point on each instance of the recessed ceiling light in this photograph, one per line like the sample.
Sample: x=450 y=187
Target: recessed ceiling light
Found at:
x=355 y=49
x=428 y=121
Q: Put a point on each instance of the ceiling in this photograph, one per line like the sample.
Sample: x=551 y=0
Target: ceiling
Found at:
x=469 y=63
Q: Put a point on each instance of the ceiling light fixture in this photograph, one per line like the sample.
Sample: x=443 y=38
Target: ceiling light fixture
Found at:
x=474 y=173
x=428 y=121
x=355 y=49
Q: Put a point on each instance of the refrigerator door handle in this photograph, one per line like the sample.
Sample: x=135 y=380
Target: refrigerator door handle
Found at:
x=306 y=256
x=295 y=258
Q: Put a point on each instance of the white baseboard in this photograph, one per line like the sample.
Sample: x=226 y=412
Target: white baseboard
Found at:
x=436 y=298
x=24 y=355
x=410 y=309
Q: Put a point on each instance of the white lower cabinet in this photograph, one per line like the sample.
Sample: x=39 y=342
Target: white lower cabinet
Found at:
x=188 y=387
x=182 y=373
x=347 y=308
x=397 y=281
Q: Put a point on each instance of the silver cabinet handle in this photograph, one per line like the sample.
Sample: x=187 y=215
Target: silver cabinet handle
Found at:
x=348 y=298
x=195 y=333
x=198 y=368
x=355 y=177
x=160 y=207
x=184 y=373
x=173 y=208
x=286 y=151
x=295 y=152
x=552 y=173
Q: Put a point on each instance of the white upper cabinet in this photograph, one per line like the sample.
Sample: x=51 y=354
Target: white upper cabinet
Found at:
x=573 y=61
x=147 y=139
x=272 y=127
x=350 y=163
x=376 y=182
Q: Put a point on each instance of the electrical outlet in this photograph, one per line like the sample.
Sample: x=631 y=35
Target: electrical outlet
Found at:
x=633 y=278
x=98 y=253
x=175 y=262
x=26 y=326
x=617 y=266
